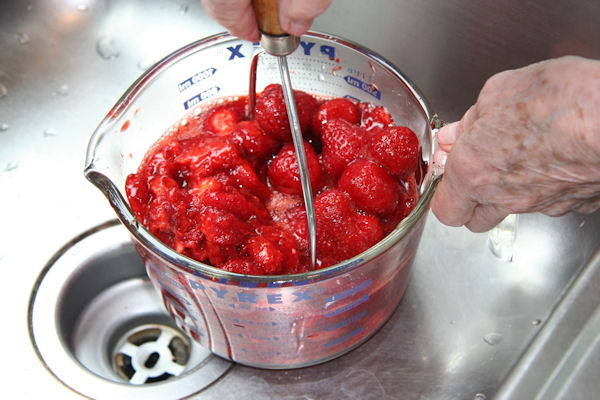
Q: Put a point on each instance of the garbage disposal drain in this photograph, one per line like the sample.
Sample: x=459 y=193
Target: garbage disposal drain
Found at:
x=101 y=329
x=151 y=353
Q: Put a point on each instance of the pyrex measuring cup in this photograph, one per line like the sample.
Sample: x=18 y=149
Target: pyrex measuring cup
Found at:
x=266 y=321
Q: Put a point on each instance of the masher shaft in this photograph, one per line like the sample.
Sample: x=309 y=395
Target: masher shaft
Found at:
x=290 y=104
x=275 y=41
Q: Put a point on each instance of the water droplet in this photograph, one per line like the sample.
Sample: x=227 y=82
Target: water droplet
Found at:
x=536 y=322
x=83 y=7
x=493 y=338
x=63 y=90
x=106 y=48
x=29 y=7
x=146 y=63
x=4 y=127
x=184 y=9
x=480 y=396
x=321 y=77
x=11 y=165
x=3 y=91
x=23 y=38
x=49 y=132
x=581 y=224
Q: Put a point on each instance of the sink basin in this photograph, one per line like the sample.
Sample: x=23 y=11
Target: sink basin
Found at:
x=470 y=325
x=565 y=355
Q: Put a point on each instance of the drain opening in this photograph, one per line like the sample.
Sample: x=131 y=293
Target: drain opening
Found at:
x=91 y=297
x=151 y=353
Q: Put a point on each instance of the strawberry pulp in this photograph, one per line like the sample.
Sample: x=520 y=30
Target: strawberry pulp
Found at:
x=226 y=191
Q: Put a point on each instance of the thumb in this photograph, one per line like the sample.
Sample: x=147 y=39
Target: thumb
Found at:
x=447 y=135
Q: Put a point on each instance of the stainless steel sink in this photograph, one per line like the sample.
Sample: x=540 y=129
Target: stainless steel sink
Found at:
x=470 y=326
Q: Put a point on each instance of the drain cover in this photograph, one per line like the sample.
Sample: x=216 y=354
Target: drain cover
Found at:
x=101 y=329
x=151 y=353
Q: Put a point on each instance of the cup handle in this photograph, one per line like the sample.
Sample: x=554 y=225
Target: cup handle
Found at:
x=438 y=158
x=501 y=238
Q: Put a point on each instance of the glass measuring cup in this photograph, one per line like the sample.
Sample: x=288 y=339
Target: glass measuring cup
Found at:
x=266 y=321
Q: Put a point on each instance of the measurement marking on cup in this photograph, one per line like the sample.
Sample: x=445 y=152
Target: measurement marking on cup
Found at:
x=261 y=338
x=198 y=77
x=346 y=322
x=239 y=297
x=349 y=292
x=261 y=353
x=348 y=306
x=210 y=92
x=364 y=86
x=240 y=322
x=345 y=337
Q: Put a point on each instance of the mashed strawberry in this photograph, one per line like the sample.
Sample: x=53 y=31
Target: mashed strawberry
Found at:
x=225 y=191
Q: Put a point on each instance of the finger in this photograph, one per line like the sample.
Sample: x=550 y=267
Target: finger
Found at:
x=562 y=207
x=247 y=28
x=237 y=16
x=485 y=218
x=446 y=136
x=589 y=206
x=449 y=206
x=296 y=16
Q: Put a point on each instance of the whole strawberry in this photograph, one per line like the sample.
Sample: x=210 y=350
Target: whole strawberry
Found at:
x=397 y=148
x=338 y=108
x=271 y=112
x=343 y=142
x=284 y=174
x=406 y=202
x=371 y=187
x=255 y=143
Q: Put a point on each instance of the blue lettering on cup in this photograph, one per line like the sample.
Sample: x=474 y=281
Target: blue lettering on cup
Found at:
x=274 y=298
x=235 y=52
x=364 y=86
x=329 y=51
x=344 y=338
x=306 y=47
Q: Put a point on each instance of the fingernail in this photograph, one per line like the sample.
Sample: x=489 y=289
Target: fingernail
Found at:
x=446 y=137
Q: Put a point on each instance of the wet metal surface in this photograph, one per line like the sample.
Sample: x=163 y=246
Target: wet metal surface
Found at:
x=467 y=316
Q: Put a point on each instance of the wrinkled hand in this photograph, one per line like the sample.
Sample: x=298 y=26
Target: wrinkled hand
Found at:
x=531 y=143
x=237 y=16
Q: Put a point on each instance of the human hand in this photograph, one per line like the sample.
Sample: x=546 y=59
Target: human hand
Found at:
x=237 y=16
x=531 y=143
